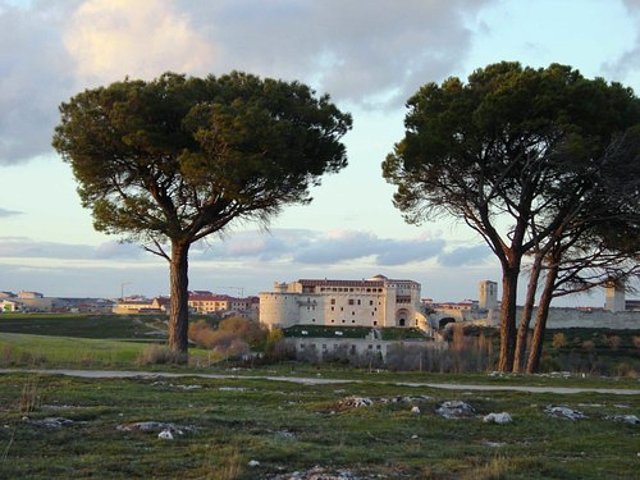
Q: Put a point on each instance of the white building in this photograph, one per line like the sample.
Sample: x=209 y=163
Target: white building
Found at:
x=375 y=302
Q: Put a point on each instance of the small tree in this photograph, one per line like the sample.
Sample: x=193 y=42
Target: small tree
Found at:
x=176 y=159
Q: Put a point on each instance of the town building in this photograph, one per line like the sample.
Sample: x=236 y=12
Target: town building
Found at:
x=375 y=302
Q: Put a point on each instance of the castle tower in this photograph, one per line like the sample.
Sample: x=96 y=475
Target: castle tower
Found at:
x=614 y=296
x=488 y=295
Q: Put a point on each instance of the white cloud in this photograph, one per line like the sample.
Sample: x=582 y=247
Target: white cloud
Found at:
x=110 y=39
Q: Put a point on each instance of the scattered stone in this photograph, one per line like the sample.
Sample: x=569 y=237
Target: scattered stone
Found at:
x=165 y=435
x=621 y=405
x=593 y=405
x=414 y=436
x=155 y=427
x=253 y=463
x=178 y=386
x=455 y=409
x=411 y=399
x=320 y=473
x=53 y=422
x=562 y=411
x=286 y=434
x=630 y=419
x=25 y=418
x=499 y=418
x=232 y=389
x=494 y=444
x=415 y=410
x=354 y=402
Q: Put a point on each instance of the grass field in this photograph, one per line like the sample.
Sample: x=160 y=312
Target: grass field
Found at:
x=288 y=427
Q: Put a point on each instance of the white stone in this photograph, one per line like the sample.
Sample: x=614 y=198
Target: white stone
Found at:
x=253 y=463
x=499 y=418
x=165 y=435
x=564 y=412
x=415 y=410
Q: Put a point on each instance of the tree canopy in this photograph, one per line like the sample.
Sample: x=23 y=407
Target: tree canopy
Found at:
x=514 y=152
x=178 y=158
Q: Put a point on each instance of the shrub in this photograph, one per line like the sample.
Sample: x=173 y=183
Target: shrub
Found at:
x=614 y=342
x=636 y=341
x=159 y=355
x=589 y=345
x=559 y=340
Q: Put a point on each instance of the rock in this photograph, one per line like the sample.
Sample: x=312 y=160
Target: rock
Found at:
x=232 y=389
x=494 y=444
x=414 y=436
x=499 y=418
x=415 y=410
x=253 y=463
x=563 y=411
x=53 y=422
x=165 y=435
x=630 y=419
x=355 y=402
x=455 y=409
x=155 y=427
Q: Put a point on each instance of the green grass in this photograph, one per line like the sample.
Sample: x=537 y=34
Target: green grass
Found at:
x=288 y=427
x=85 y=325
x=36 y=350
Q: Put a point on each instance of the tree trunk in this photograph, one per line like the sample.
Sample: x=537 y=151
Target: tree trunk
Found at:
x=525 y=318
x=179 y=313
x=535 y=352
x=508 y=317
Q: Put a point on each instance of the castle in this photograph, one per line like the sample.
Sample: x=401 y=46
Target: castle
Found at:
x=376 y=302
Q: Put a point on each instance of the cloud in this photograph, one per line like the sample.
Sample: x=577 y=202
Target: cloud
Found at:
x=109 y=39
x=373 y=53
x=464 y=256
x=8 y=213
x=309 y=247
x=365 y=52
x=629 y=60
x=21 y=247
x=34 y=78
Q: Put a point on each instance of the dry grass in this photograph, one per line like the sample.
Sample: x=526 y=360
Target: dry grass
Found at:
x=159 y=355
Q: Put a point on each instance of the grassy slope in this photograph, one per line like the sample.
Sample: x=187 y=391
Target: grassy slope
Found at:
x=290 y=427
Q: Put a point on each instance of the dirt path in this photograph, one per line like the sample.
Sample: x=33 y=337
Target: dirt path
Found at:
x=327 y=381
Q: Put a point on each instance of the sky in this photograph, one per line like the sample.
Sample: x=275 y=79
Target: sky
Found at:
x=370 y=56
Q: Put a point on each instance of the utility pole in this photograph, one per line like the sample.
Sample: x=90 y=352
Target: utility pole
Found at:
x=122 y=285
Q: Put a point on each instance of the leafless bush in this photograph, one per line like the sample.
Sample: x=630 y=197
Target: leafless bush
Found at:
x=464 y=354
x=614 y=341
x=159 y=355
x=636 y=341
x=589 y=345
x=559 y=340
x=30 y=398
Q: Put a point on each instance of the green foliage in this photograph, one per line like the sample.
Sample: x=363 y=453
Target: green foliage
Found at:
x=181 y=157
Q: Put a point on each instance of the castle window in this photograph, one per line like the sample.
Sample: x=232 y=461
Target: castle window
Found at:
x=358 y=301
x=370 y=302
x=351 y=301
x=353 y=313
x=333 y=301
x=333 y=308
x=353 y=321
x=375 y=322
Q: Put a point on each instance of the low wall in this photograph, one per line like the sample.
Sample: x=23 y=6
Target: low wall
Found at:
x=597 y=318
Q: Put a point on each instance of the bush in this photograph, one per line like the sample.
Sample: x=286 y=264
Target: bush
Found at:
x=614 y=342
x=160 y=355
x=559 y=340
